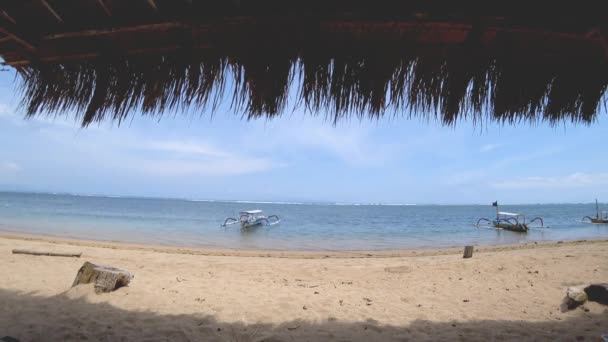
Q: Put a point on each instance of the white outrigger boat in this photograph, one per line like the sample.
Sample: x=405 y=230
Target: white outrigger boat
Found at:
x=600 y=216
x=510 y=221
x=251 y=218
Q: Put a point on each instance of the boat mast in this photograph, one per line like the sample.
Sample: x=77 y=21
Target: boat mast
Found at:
x=597 y=210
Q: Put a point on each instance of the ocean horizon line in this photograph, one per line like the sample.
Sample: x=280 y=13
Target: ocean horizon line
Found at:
x=280 y=202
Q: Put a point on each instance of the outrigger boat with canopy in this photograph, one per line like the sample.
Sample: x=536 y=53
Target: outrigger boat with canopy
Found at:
x=251 y=218
x=600 y=216
x=509 y=221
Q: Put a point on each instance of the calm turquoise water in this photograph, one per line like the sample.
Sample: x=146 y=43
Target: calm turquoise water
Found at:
x=303 y=226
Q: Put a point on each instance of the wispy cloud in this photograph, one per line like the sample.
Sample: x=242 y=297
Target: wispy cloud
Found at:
x=155 y=157
x=12 y=116
x=8 y=171
x=578 y=179
x=189 y=158
x=489 y=147
x=5 y=110
x=353 y=145
x=9 y=167
x=216 y=167
x=187 y=148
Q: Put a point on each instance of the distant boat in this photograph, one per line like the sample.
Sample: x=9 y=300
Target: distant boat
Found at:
x=600 y=216
x=509 y=221
x=252 y=218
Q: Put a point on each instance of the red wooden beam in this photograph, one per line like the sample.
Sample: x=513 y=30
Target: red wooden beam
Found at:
x=52 y=11
x=116 y=30
x=166 y=37
x=91 y=55
x=22 y=41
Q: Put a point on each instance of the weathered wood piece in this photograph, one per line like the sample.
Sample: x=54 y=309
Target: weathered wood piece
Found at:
x=25 y=251
x=468 y=252
x=106 y=278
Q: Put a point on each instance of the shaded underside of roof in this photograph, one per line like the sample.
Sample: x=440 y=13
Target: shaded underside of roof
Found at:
x=109 y=59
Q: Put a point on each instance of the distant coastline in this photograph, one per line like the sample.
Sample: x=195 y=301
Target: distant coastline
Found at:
x=303 y=202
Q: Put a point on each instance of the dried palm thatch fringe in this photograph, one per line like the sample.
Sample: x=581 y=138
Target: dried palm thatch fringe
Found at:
x=447 y=85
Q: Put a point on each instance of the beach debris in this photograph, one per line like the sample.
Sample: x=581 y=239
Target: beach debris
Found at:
x=578 y=295
x=57 y=254
x=304 y=307
x=296 y=326
x=597 y=293
x=468 y=252
x=106 y=278
x=9 y=339
x=575 y=296
x=398 y=269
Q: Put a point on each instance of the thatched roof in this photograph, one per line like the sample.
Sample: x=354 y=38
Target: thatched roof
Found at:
x=108 y=59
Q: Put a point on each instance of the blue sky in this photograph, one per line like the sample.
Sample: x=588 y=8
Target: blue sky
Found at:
x=301 y=158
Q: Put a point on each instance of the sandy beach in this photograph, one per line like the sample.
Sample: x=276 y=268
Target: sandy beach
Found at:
x=502 y=293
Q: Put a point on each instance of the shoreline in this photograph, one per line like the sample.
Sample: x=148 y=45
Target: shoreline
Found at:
x=296 y=254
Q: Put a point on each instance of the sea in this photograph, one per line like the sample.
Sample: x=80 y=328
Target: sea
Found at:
x=303 y=226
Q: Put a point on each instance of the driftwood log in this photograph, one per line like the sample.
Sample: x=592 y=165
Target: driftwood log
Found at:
x=106 y=278
x=25 y=251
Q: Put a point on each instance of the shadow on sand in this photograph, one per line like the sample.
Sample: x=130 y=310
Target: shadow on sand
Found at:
x=33 y=318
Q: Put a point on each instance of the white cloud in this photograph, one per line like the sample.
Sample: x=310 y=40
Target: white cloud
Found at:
x=351 y=144
x=195 y=157
x=8 y=171
x=578 y=179
x=481 y=172
x=489 y=147
x=181 y=147
x=9 y=167
x=227 y=166
x=5 y=110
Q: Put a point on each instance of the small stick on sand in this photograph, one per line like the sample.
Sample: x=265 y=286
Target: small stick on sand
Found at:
x=24 y=251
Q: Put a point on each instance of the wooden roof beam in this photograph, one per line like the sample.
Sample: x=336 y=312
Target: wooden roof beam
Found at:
x=104 y=7
x=9 y=29
x=7 y=17
x=92 y=55
x=153 y=4
x=11 y=32
x=118 y=30
x=52 y=11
